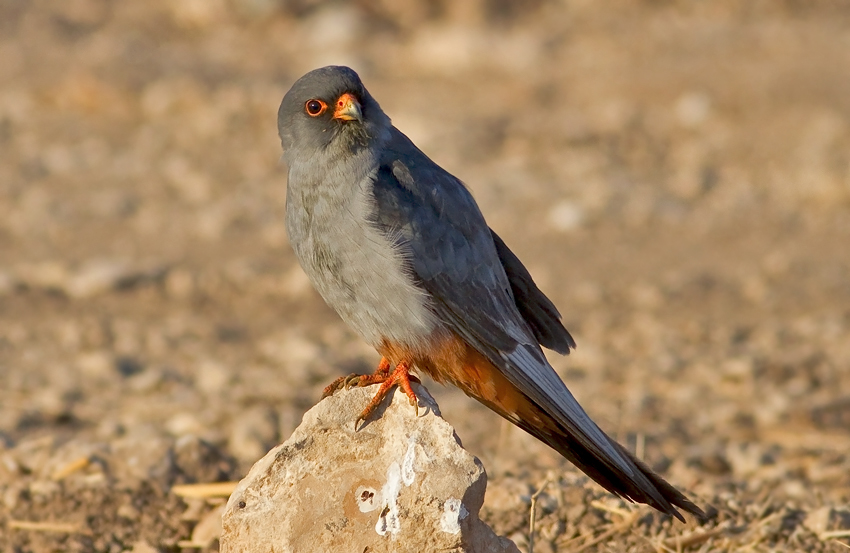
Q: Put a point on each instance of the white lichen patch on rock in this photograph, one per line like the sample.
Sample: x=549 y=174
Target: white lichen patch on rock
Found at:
x=408 y=475
x=453 y=513
x=388 y=522
x=397 y=475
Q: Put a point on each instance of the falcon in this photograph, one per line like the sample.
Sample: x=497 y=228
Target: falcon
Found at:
x=399 y=248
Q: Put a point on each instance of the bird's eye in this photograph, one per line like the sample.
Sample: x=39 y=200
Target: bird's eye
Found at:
x=315 y=107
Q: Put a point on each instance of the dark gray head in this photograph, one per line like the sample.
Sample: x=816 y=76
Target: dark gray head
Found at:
x=328 y=106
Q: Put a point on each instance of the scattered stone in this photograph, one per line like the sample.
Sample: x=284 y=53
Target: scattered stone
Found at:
x=399 y=483
x=179 y=284
x=90 y=278
x=7 y=283
x=817 y=521
x=95 y=276
x=48 y=275
x=208 y=528
x=254 y=431
x=693 y=108
x=566 y=216
x=143 y=547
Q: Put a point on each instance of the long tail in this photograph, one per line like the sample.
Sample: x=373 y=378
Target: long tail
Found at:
x=659 y=493
x=611 y=466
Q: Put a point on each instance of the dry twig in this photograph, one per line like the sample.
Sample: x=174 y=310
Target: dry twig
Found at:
x=534 y=497
x=614 y=529
x=694 y=538
x=57 y=527
x=189 y=544
x=77 y=464
x=205 y=490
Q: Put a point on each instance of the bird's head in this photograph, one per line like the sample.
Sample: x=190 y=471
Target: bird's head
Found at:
x=329 y=108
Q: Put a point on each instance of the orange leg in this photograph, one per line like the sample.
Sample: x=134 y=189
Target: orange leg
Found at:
x=355 y=379
x=401 y=376
x=383 y=376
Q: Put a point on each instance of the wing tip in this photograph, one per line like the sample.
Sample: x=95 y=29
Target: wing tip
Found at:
x=558 y=340
x=682 y=503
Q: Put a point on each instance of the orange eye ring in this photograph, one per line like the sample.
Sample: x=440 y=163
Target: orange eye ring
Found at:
x=315 y=108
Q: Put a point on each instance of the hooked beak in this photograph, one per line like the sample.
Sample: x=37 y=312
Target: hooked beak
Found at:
x=348 y=108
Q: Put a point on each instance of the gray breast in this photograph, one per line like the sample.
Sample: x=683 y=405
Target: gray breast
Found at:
x=359 y=271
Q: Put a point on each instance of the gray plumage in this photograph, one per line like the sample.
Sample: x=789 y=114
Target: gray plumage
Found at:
x=352 y=264
x=399 y=248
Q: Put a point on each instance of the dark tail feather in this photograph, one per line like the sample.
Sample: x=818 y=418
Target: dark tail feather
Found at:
x=628 y=477
x=651 y=489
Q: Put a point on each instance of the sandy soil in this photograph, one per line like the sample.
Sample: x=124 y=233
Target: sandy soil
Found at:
x=675 y=174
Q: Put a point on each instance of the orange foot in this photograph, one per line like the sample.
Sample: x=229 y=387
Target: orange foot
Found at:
x=382 y=375
x=354 y=379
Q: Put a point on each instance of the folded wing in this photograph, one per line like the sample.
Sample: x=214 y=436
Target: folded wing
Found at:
x=465 y=269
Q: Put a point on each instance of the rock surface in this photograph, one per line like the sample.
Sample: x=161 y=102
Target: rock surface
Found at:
x=399 y=483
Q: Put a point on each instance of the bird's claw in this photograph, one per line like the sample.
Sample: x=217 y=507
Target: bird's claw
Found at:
x=400 y=376
x=337 y=385
x=352 y=380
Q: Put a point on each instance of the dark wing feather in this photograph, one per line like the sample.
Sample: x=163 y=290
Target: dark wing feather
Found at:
x=537 y=310
x=454 y=256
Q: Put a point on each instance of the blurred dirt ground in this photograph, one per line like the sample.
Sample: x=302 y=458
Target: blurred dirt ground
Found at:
x=675 y=174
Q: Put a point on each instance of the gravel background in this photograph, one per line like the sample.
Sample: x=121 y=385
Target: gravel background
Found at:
x=675 y=174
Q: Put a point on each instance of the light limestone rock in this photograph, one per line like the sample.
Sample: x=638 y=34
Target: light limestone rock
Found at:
x=399 y=483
